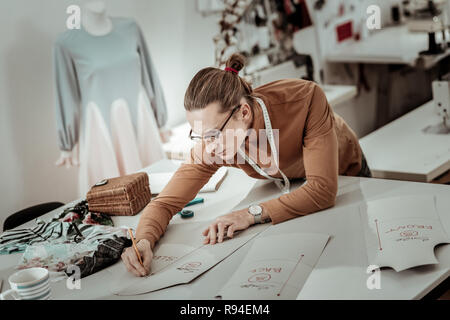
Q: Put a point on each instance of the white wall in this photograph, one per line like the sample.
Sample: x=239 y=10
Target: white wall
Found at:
x=180 y=41
x=27 y=122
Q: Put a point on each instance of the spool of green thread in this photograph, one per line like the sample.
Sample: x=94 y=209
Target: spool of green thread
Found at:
x=185 y=214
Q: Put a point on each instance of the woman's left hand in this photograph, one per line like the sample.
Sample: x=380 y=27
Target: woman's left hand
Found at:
x=235 y=221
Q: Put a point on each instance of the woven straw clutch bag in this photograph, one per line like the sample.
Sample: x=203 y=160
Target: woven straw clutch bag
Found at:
x=122 y=196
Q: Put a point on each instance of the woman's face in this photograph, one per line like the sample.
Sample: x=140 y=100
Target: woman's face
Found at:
x=208 y=121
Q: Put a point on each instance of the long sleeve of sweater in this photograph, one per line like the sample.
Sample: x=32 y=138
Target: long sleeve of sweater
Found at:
x=184 y=185
x=320 y=155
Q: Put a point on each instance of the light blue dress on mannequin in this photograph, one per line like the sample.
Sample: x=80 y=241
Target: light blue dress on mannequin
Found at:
x=109 y=101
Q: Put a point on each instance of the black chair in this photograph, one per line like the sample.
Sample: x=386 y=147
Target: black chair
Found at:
x=23 y=216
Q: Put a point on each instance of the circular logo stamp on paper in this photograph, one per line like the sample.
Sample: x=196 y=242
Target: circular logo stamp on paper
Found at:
x=409 y=233
x=260 y=277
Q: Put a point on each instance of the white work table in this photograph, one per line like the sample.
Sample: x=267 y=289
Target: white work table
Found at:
x=340 y=272
x=401 y=150
x=337 y=94
x=390 y=45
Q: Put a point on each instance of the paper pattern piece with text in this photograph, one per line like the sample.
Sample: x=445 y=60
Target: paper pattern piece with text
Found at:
x=179 y=257
x=276 y=267
x=401 y=232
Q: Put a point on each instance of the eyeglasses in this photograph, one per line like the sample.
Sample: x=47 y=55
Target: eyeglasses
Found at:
x=214 y=133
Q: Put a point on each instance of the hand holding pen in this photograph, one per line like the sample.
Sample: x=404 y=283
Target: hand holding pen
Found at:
x=138 y=257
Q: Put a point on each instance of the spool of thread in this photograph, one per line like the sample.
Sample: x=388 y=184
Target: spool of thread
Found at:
x=186 y=214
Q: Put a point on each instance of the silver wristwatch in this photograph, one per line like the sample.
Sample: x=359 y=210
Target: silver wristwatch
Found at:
x=256 y=211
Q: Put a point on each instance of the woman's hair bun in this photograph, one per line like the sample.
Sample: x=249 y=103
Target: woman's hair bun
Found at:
x=236 y=61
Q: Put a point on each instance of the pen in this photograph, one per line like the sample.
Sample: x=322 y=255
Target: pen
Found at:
x=135 y=247
x=195 y=201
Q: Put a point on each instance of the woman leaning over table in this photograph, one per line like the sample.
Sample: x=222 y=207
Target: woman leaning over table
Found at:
x=223 y=110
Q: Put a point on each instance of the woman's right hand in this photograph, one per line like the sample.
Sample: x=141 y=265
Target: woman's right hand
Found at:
x=131 y=260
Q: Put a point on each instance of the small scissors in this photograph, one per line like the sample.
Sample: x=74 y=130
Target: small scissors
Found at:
x=79 y=237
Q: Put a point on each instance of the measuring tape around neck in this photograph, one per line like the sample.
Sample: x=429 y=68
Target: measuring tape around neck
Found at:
x=269 y=132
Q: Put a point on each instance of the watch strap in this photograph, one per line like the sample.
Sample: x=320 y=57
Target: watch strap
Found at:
x=258 y=218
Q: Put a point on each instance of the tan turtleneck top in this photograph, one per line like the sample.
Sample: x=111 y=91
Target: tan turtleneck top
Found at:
x=314 y=143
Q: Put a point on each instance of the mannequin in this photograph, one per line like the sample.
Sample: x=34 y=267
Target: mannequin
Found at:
x=94 y=18
x=110 y=106
x=97 y=23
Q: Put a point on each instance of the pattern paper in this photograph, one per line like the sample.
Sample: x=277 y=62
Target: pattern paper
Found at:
x=180 y=257
x=276 y=267
x=401 y=232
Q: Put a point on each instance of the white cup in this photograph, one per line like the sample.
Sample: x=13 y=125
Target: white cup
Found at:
x=28 y=284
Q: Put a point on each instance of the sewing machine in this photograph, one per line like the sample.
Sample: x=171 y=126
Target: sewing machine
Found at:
x=429 y=16
x=426 y=15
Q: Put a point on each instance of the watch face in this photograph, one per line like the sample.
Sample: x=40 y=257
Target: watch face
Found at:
x=255 y=210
